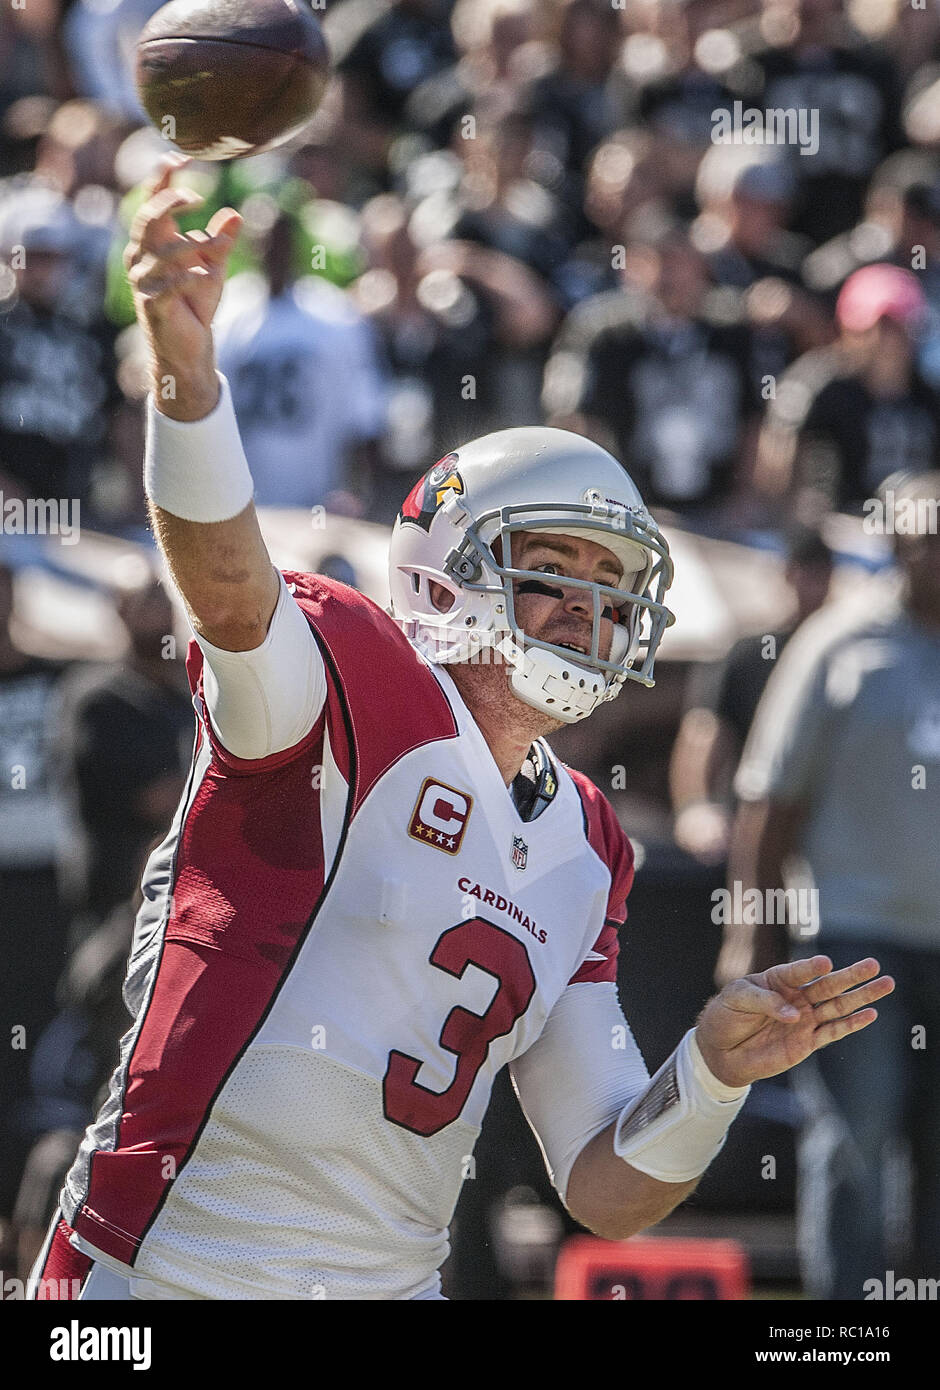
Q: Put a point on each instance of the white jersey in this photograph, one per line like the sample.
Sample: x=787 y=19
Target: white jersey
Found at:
x=306 y=384
x=340 y=946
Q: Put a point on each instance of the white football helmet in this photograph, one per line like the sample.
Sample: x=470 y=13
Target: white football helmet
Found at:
x=529 y=479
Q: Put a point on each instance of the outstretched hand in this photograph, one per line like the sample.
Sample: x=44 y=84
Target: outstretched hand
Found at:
x=177 y=277
x=764 y=1024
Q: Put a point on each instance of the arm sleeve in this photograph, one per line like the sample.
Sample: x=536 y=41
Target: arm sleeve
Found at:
x=578 y=1075
x=266 y=700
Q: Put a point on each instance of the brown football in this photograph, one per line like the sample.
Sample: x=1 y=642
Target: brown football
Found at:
x=223 y=79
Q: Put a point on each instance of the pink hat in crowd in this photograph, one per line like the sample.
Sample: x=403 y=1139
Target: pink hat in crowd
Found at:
x=876 y=292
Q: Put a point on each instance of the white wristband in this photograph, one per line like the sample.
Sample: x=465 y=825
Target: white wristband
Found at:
x=709 y=1083
x=678 y=1125
x=196 y=469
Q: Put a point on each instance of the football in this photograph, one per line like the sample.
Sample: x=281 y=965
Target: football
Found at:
x=224 y=79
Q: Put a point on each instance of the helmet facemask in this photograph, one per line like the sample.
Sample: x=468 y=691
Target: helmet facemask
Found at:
x=457 y=529
x=553 y=678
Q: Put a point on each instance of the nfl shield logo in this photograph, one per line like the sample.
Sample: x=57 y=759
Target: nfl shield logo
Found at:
x=520 y=851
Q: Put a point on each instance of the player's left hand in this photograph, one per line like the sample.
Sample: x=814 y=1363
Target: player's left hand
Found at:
x=764 y=1024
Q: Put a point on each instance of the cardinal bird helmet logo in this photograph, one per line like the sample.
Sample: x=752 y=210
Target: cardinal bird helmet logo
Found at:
x=428 y=493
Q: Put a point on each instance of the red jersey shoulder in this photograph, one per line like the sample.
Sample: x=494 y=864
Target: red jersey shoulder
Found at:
x=606 y=837
x=382 y=699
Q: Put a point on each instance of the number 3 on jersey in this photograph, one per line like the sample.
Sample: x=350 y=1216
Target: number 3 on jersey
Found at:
x=467 y=1035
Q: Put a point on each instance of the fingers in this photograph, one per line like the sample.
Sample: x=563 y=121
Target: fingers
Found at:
x=847 y=1003
x=840 y=980
x=164 y=172
x=797 y=973
x=840 y=1028
x=152 y=277
x=153 y=225
x=744 y=996
x=221 y=232
x=225 y=221
x=157 y=252
x=183 y=253
x=839 y=1009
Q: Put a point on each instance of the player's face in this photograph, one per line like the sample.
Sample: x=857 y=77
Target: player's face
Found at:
x=568 y=619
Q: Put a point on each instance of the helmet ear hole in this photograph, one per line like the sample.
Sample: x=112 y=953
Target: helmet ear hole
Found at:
x=442 y=599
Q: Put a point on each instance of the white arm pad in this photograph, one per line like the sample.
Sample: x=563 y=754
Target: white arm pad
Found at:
x=585 y=1071
x=680 y=1122
x=196 y=469
x=576 y=1077
x=265 y=700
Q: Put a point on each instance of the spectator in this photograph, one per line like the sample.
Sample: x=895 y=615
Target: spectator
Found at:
x=742 y=233
x=434 y=336
x=305 y=380
x=56 y=375
x=679 y=97
x=897 y=217
x=744 y=194
x=453 y=321
x=32 y=831
x=30 y=58
x=901 y=227
x=125 y=743
x=500 y=204
x=845 y=418
x=72 y=1062
x=650 y=371
x=78 y=147
x=908 y=35
x=624 y=178
x=382 y=53
x=843 y=768
x=722 y=704
x=75 y=158
x=101 y=41
x=499 y=51
x=814 y=61
x=586 y=95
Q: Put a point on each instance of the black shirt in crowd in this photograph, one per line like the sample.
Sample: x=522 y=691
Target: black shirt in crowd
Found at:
x=119 y=734
x=675 y=393
x=849 y=441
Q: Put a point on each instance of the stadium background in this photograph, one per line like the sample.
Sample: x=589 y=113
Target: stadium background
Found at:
x=505 y=212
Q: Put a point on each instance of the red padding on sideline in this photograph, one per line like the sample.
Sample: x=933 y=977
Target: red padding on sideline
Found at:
x=660 y=1268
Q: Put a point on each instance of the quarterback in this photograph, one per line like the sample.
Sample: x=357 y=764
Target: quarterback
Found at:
x=381 y=886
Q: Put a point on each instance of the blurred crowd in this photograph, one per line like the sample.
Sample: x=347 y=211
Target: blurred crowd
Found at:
x=504 y=211
x=508 y=212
